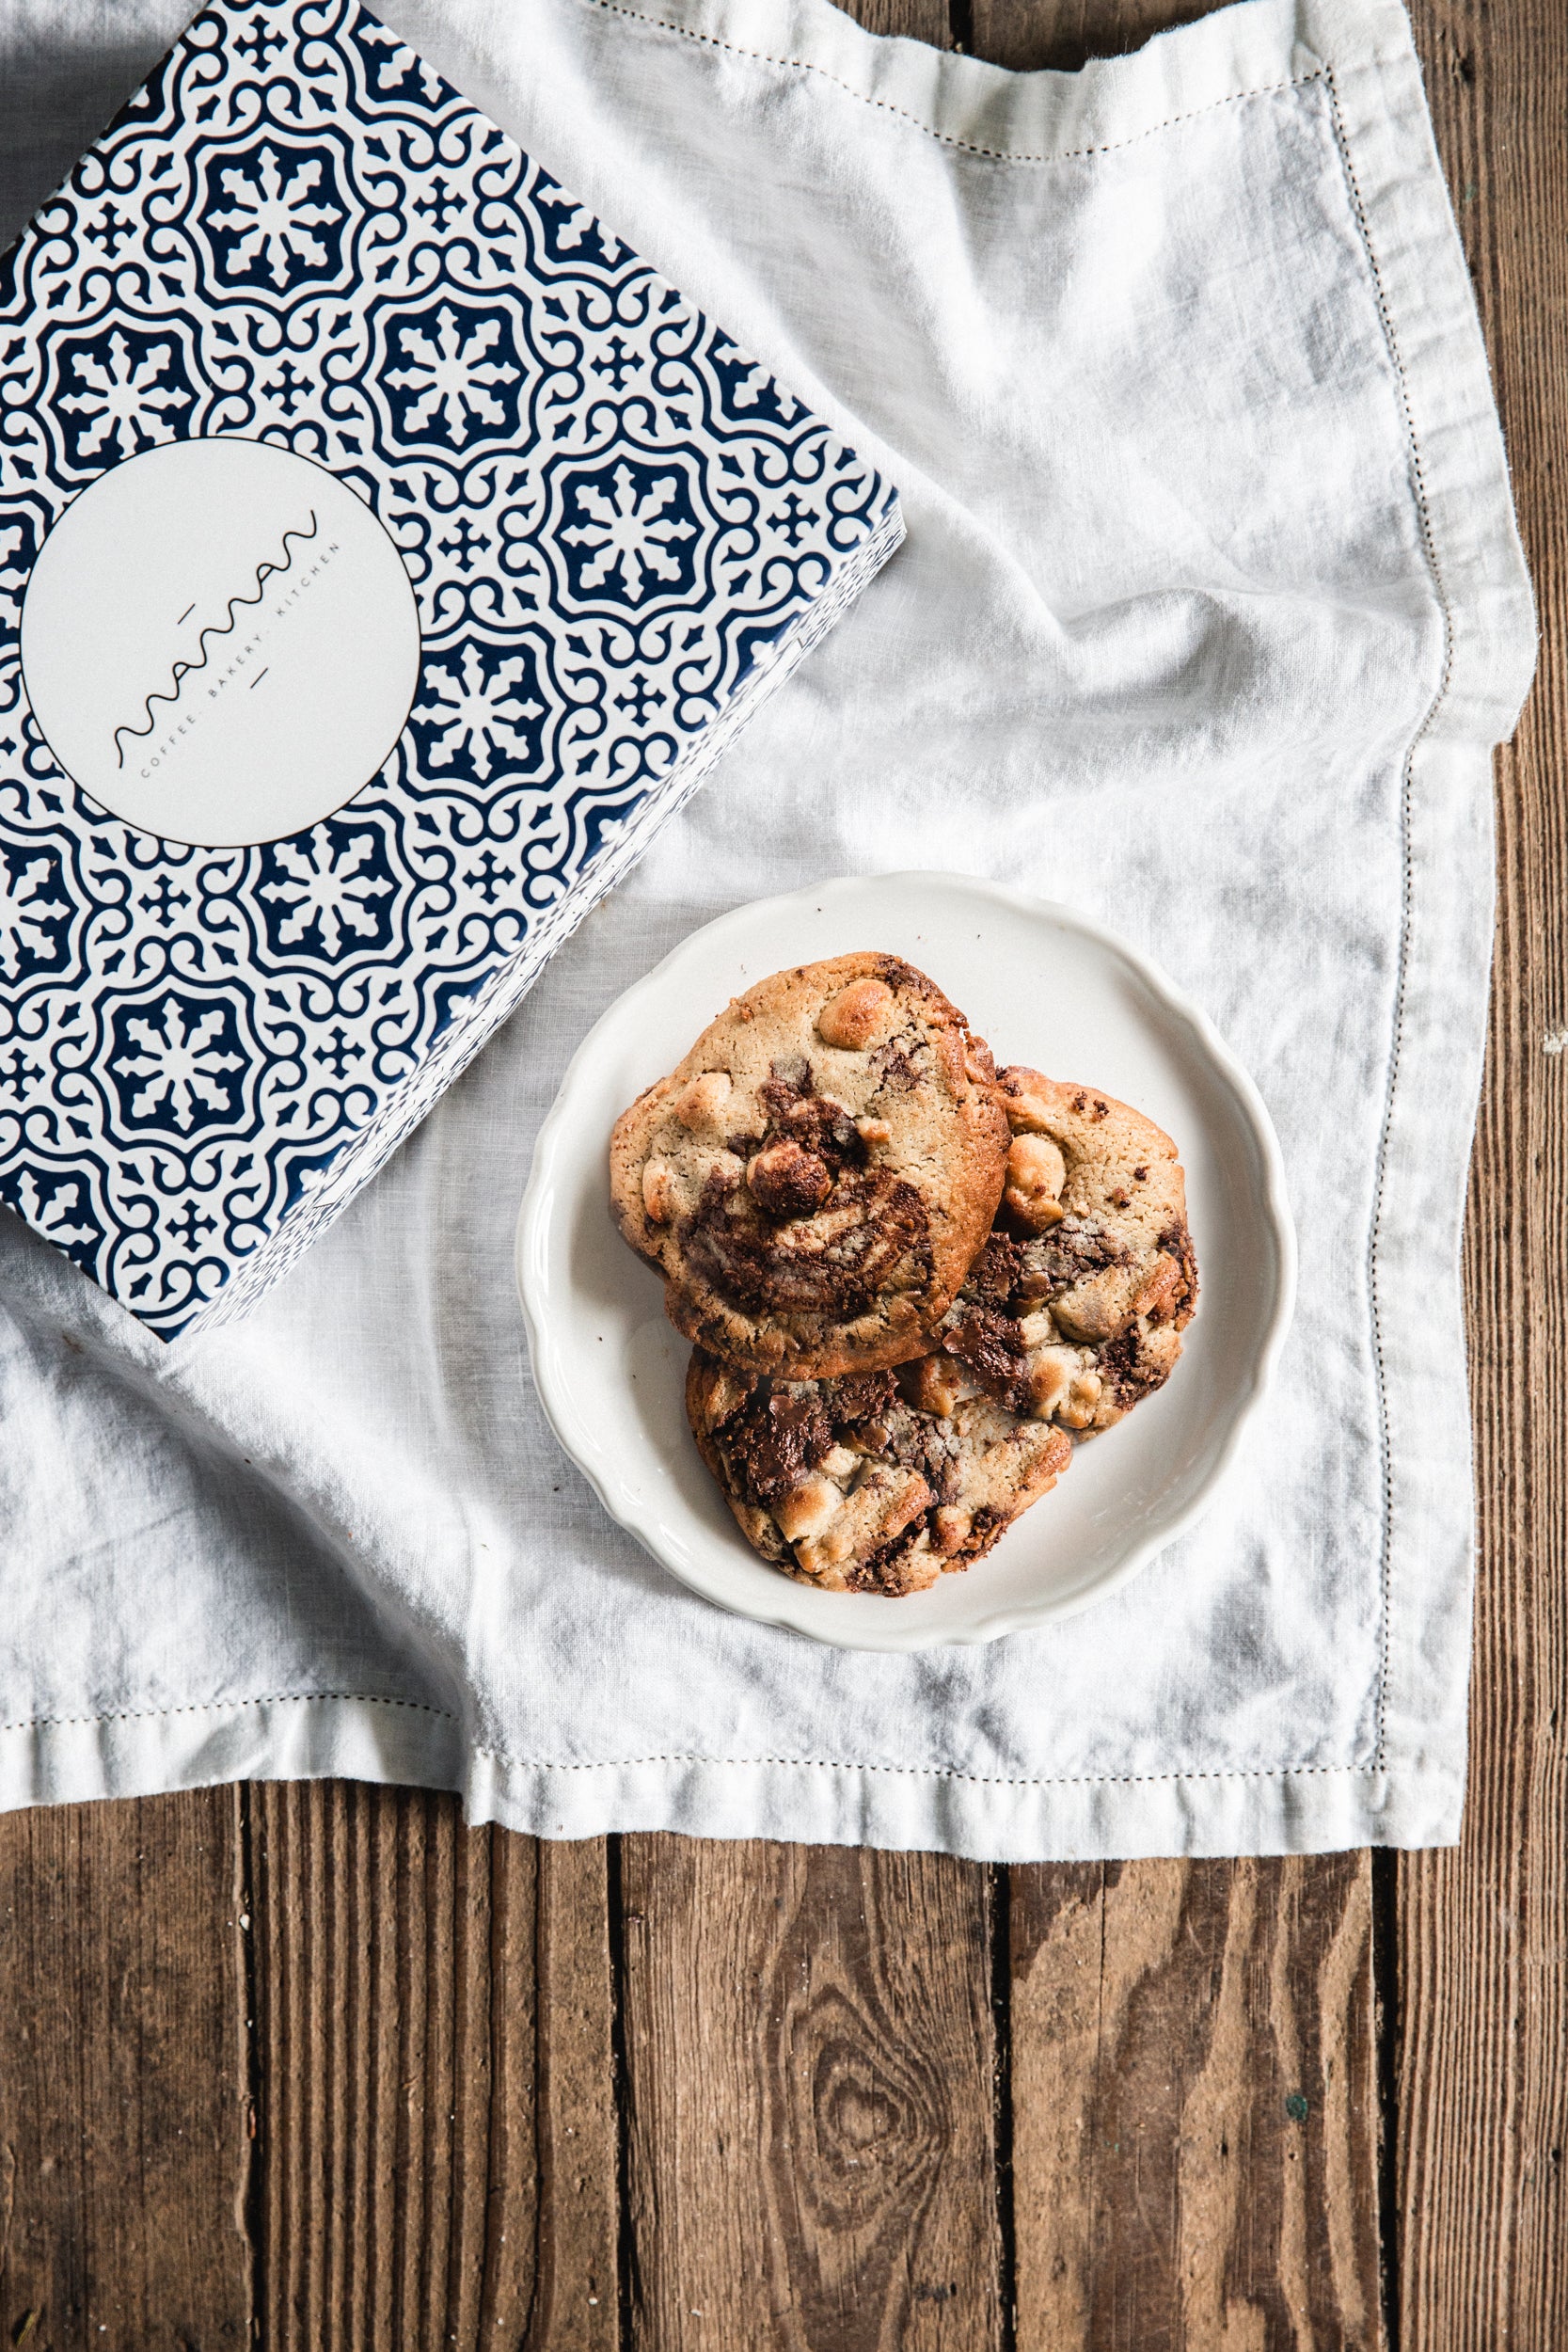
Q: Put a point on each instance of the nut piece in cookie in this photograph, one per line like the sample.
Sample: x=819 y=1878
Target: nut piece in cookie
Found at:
x=1074 y=1309
x=816 y=1177
x=878 y=1482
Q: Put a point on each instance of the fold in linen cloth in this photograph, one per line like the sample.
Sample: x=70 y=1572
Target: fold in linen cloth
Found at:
x=1210 y=609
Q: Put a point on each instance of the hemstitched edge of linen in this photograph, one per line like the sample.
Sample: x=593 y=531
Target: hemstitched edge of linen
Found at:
x=388 y=1741
x=631 y=1763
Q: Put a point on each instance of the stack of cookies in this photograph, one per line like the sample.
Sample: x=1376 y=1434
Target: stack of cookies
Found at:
x=913 y=1280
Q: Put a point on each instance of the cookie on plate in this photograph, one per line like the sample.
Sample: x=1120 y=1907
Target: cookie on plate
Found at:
x=814 y=1178
x=878 y=1482
x=1073 y=1311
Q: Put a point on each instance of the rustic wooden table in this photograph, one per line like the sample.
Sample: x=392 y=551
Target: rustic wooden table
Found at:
x=317 y=2067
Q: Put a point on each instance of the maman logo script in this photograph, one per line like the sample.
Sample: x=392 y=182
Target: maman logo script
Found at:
x=182 y=670
x=255 y=635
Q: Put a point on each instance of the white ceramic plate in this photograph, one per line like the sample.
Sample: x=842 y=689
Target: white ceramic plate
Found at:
x=1045 y=987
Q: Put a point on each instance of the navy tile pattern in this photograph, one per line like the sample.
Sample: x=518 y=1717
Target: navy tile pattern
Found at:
x=618 y=528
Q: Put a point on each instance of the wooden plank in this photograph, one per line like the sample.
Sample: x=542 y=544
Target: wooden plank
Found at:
x=124 y=2151
x=436 y=2130
x=1482 y=2075
x=1065 y=33
x=576 y=2306
x=810 y=2099
x=1193 y=2106
x=917 y=20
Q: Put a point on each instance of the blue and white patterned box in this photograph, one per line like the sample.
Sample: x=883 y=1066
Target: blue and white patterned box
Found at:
x=615 y=532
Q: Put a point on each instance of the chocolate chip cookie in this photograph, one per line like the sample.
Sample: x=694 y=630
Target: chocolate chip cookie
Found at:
x=1073 y=1311
x=816 y=1177
x=878 y=1482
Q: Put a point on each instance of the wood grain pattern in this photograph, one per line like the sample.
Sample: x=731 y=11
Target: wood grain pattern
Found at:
x=124 y=2151
x=833 y=2142
x=1024 y=34
x=1481 y=2078
x=811 y=2099
x=930 y=20
x=436 y=2135
x=1194 y=2093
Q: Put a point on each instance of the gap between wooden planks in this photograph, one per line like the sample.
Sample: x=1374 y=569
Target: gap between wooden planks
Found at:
x=315 y=2066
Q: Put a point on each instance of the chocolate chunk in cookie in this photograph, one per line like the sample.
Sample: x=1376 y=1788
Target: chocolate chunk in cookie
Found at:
x=816 y=1177
x=878 y=1482
x=1073 y=1311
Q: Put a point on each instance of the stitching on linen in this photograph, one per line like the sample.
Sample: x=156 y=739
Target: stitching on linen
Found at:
x=736 y=1763
x=1385 y=1564
x=944 y=138
x=940 y=1771
x=221 y=1706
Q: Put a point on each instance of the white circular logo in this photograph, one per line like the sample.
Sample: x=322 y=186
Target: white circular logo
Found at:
x=220 y=642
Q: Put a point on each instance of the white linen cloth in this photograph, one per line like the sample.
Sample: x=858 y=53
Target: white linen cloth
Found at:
x=1210 y=609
